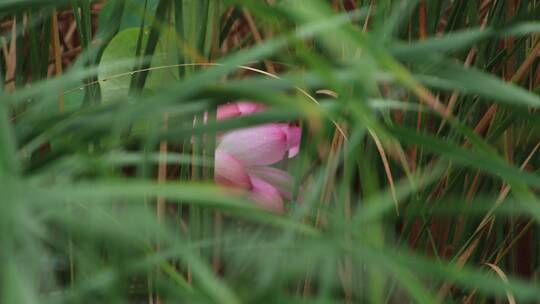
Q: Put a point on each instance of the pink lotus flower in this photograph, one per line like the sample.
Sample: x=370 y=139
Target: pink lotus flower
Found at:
x=243 y=156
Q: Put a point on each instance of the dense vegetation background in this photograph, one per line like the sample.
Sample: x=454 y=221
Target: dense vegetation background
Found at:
x=417 y=178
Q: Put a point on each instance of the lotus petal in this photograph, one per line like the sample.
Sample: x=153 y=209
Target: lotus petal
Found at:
x=280 y=179
x=294 y=135
x=247 y=108
x=228 y=111
x=230 y=172
x=266 y=195
x=256 y=146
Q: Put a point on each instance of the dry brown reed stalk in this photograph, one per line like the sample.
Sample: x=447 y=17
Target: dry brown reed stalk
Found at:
x=57 y=52
x=509 y=296
x=160 y=203
x=484 y=9
x=333 y=157
x=489 y=115
x=486 y=222
x=257 y=37
x=10 y=57
x=423 y=35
